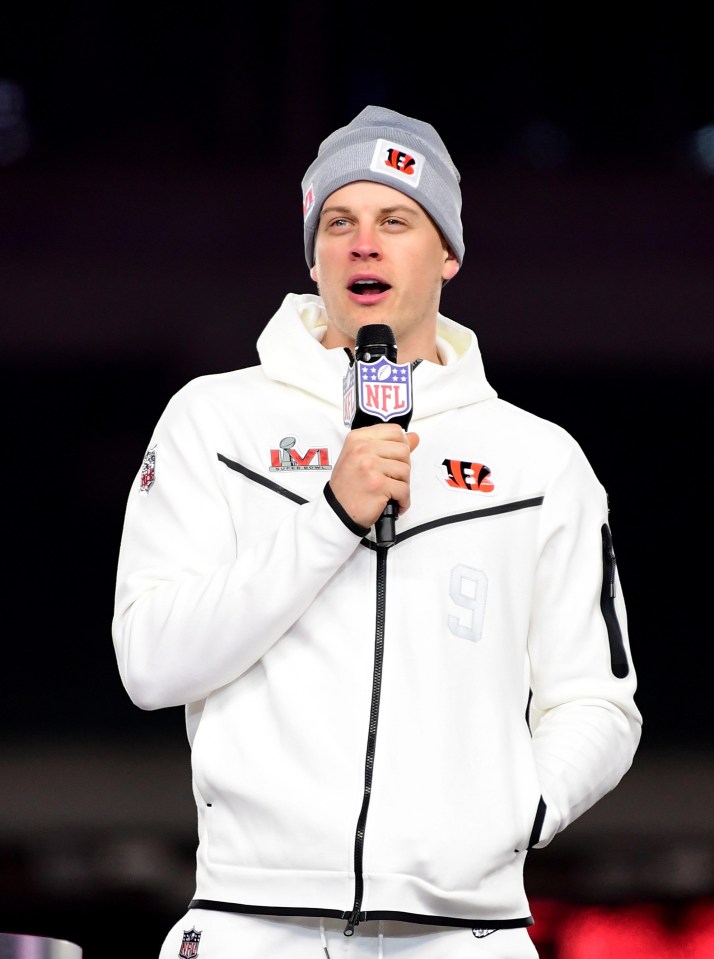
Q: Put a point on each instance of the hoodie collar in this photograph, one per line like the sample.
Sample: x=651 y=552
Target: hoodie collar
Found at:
x=290 y=352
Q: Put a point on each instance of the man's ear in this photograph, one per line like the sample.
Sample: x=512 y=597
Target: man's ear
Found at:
x=313 y=274
x=451 y=267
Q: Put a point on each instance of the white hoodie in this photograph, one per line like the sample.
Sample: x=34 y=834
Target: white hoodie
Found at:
x=376 y=733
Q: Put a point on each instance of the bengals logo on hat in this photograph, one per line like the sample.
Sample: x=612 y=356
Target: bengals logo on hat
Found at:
x=398 y=161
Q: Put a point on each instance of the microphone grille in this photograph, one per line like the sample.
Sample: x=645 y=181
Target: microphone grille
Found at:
x=374 y=333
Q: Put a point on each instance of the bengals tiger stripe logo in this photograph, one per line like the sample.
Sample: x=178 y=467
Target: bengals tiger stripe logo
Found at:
x=461 y=474
x=399 y=160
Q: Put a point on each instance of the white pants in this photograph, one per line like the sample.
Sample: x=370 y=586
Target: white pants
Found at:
x=209 y=934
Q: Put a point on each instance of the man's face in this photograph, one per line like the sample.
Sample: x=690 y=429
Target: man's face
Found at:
x=379 y=258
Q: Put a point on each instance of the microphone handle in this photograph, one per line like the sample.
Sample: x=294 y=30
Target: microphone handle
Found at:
x=385 y=528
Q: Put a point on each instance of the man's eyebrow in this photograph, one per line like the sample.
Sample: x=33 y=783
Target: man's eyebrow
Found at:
x=334 y=209
x=384 y=211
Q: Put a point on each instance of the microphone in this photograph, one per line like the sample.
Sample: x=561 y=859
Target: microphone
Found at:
x=377 y=389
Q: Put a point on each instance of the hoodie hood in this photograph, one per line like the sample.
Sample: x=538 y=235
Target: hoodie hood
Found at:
x=290 y=352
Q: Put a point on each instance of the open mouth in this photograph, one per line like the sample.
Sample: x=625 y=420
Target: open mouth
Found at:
x=361 y=287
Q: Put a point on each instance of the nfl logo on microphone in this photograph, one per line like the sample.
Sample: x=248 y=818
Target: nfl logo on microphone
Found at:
x=384 y=388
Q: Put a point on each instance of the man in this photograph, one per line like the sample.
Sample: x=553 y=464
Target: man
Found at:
x=379 y=732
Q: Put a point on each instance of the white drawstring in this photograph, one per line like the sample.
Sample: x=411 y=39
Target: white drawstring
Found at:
x=380 y=939
x=323 y=938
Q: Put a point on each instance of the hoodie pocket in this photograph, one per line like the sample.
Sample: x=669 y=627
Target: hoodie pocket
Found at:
x=536 y=827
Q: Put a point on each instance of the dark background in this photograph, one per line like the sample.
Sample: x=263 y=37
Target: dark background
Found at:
x=150 y=223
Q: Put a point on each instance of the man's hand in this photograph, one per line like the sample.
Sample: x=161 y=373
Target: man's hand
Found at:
x=373 y=467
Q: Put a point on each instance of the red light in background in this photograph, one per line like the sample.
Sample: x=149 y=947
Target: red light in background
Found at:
x=644 y=930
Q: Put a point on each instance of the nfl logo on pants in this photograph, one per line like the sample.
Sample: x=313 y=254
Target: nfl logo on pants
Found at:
x=189 y=946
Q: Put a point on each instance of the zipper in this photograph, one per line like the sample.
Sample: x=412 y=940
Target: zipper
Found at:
x=609 y=560
x=354 y=916
x=618 y=655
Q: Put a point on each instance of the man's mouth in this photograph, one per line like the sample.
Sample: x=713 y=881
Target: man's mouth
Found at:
x=363 y=287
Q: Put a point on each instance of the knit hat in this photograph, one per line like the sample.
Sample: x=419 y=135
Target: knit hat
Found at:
x=399 y=151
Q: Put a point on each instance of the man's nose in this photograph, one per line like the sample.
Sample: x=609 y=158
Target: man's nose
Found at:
x=365 y=245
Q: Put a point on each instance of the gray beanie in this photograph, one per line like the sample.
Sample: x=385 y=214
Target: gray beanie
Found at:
x=390 y=148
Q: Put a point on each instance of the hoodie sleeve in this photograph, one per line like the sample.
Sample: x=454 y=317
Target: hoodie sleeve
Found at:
x=586 y=726
x=195 y=605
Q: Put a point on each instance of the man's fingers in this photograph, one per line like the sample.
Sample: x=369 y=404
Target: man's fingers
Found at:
x=412 y=440
x=373 y=467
